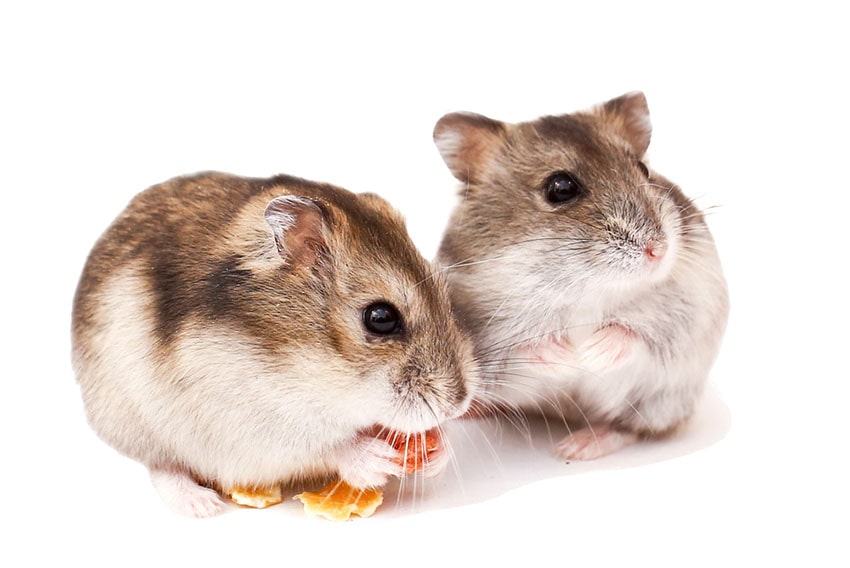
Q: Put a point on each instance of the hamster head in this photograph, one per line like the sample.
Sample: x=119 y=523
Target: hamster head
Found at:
x=370 y=309
x=570 y=191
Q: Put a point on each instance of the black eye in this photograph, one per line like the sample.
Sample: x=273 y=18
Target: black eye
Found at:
x=643 y=168
x=562 y=187
x=382 y=319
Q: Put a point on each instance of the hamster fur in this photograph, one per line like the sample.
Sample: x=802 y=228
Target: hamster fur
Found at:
x=220 y=336
x=590 y=283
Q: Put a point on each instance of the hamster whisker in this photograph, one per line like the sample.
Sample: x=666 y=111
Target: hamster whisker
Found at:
x=528 y=364
x=419 y=457
x=472 y=261
x=502 y=382
x=499 y=309
x=462 y=210
x=483 y=439
x=459 y=264
x=575 y=245
x=665 y=188
x=696 y=246
x=554 y=405
x=694 y=242
x=711 y=209
x=692 y=261
x=511 y=296
x=692 y=233
x=517 y=339
x=595 y=225
x=701 y=197
x=337 y=486
x=513 y=340
x=536 y=299
x=639 y=415
x=498 y=406
x=695 y=215
x=550 y=401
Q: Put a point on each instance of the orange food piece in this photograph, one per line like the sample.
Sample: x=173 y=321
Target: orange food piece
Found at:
x=338 y=501
x=415 y=450
x=256 y=497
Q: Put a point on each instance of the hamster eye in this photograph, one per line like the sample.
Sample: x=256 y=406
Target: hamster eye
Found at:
x=382 y=319
x=643 y=168
x=562 y=187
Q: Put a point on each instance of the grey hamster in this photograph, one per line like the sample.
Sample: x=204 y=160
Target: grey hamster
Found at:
x=590 y=283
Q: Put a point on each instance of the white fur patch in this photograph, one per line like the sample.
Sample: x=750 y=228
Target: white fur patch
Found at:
x=183 y=494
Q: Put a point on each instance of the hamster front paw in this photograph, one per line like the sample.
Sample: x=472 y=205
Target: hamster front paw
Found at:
x=435 y=462
x=183 y=494
x=422 y=452
x=554 y=354
x=369 y=462
x=607 y=349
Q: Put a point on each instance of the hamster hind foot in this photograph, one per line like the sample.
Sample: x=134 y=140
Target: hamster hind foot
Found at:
x=591 y=443
x=183 y=494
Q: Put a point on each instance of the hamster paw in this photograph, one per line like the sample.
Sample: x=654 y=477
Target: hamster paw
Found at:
x=424 y=453
x=369 y=462
x=435 y=462
x=592 y=443
x=555 y=354
x=183 y=494
x=607 y=348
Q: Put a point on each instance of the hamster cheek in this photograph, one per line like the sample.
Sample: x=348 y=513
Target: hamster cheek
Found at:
x=608 y=348
x=368 y=462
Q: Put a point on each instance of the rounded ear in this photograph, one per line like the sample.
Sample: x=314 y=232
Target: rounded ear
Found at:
x=298 y=227
x=629 y=116
x=467 y=142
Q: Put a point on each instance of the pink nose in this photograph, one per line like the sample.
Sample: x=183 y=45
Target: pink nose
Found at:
x=656 y=251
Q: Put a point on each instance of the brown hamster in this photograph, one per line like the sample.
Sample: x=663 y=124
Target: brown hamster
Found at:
x=590 y=283
x=234 y=332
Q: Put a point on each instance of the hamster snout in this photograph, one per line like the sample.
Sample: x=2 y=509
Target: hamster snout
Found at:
x=639 y=235
x=239 y=332
x=590 y=283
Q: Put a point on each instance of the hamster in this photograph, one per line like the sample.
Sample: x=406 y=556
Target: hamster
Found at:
x=590 y=283
x=235 y=332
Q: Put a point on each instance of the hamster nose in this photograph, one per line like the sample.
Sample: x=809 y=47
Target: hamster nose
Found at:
x=655 y=250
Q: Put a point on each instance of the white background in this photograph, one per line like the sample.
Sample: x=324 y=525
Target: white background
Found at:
x=749 y=105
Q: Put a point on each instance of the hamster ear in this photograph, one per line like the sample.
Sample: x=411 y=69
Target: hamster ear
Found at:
x=467 y=142
x=298 y=226
x=629 y=115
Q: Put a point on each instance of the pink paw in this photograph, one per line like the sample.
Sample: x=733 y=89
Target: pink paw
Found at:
x=183 y=494
x=592 y=443
x=369 y=462
x=435 y=463
x=555 y=353
x=608 y=348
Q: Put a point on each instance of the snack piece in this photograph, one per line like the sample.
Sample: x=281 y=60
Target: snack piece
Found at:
x=338 y=501
x=415 y=450
x=256 y=497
